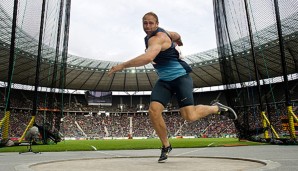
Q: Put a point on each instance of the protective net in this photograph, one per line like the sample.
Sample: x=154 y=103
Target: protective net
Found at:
x=33 y=38
x=258 y=53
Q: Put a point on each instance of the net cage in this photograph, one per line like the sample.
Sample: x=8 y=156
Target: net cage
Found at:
x=33 y=38
x=258 y=52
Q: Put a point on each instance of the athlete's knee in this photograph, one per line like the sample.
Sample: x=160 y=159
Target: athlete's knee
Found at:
x=153 y=112
x=155 y=109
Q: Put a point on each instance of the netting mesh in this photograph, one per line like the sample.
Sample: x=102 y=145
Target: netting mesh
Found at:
x=250 y=58
x=40 y=48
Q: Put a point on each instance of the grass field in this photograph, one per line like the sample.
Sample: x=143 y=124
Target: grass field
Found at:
x=129 y=144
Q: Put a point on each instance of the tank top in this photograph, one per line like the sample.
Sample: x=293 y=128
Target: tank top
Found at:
x=167 y=63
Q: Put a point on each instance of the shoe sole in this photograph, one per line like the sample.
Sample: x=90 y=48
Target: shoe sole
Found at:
x=234 y=113
x=162 y=161
x=230 y=109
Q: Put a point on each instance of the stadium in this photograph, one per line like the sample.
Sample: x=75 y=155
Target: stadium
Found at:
x=253 y=69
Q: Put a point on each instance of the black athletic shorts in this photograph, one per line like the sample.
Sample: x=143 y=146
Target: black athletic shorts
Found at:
x=182 y=87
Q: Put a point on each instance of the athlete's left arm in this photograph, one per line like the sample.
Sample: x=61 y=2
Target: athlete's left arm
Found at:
x=176 y=37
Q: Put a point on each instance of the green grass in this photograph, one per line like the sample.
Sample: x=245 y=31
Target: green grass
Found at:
x=129 y=144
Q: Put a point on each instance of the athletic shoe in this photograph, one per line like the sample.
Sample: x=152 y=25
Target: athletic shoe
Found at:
x=225 y=110
x=164 y=154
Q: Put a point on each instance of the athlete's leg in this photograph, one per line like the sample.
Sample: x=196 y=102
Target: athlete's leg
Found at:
x=183 y=87
x=160 y=96
x=193 y=113
x=158 y=123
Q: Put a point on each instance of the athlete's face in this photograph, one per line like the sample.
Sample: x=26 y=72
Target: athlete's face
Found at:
x=150 y=24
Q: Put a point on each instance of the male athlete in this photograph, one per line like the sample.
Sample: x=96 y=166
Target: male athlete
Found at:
x=174 y=78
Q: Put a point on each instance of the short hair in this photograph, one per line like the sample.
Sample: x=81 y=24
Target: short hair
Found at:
x=152 y=14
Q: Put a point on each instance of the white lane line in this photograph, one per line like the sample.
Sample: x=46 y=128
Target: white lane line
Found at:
x=194 y=150
x=115 y=155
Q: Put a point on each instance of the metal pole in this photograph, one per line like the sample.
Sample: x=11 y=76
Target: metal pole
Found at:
x=5 y=121
x=254 y=56
x=282 y=53
x=12 y=55
x=35 y=100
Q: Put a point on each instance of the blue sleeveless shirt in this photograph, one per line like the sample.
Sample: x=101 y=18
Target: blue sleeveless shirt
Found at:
x=167 y=63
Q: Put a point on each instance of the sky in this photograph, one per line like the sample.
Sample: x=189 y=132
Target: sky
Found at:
x=111 y=30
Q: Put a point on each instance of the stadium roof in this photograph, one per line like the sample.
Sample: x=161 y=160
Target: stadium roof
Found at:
x=89 y=74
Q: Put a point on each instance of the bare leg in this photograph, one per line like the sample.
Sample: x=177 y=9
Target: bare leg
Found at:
x=193 y=113
x=158 y=123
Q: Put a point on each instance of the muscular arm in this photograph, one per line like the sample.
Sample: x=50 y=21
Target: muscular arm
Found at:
x=154 y=47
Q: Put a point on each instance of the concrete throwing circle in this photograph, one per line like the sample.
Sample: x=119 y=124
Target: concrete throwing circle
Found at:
x=150 y=163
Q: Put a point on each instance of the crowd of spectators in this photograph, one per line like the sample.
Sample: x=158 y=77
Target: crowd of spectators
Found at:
x=80 y=120
x=118 y=125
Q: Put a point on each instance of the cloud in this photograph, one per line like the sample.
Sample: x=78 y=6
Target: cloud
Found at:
x=112 y=29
